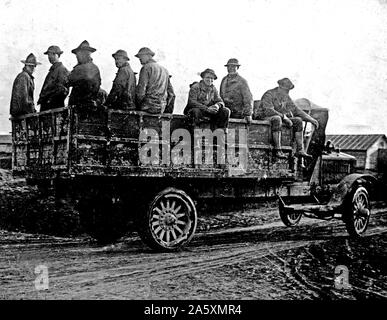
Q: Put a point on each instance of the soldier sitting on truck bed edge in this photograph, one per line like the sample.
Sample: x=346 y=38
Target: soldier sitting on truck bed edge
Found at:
x=278 y=107
x=235 y=92
x=205 y=104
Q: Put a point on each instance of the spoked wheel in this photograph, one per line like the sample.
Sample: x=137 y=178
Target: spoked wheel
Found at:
x=290 y=218
x=358 y=212
x=170 y=221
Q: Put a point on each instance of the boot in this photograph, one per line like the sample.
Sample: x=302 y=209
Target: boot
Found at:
x=302 y=163
x=277 y=145
x=300 y=147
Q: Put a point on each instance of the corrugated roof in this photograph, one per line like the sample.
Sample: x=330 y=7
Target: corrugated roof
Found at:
x=354 y=141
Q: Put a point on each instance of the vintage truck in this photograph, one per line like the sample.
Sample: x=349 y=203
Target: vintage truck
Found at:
x=122 y=166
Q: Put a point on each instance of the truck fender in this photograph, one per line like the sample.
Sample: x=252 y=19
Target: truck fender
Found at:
x=349 y=184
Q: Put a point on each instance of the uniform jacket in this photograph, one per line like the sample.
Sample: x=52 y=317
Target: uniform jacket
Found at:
x=54 y=90
x=22 y=99
x=201 y=96
x=123 y=93
x=236 y=95
x=85 y=80
x=151 y=91
x=274 y=103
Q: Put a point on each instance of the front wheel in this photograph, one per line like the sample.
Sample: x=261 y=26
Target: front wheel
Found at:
x=170 y=221
x=290 y=218
x=357 y=212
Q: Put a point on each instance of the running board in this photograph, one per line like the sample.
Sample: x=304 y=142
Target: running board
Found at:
x=312 y=210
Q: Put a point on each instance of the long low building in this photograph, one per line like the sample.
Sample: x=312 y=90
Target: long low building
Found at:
x=366 y=148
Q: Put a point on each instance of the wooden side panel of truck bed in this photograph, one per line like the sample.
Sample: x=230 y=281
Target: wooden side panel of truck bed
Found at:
x=106 y=143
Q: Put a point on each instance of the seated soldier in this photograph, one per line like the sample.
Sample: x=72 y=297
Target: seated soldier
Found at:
x=205 y=103
x=235 y=92
x=278 y=107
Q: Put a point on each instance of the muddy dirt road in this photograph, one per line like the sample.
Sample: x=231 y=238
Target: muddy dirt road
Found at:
x=266 y=261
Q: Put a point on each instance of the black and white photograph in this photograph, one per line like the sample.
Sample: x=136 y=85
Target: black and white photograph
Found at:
x=212 y=152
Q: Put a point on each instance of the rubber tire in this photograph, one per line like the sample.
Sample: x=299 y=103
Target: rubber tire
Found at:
x=144 y=228
x=285 y=219
x=348 y=211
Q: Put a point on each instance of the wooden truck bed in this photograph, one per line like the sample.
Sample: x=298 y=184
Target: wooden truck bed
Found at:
x=65 y=142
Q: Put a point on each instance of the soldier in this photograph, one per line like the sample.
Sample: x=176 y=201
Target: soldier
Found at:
x=22 y=99
x=278 y=107
x=123 y=93
x=84 y=78
x=205 y=103
x=54 y=90
x=235 y=92
x=151 y=91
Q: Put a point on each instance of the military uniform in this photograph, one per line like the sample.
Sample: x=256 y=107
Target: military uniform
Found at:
x=22 y=99
x=200 y=98
x=122 y=95
x=54 y=90
x=151 y=91
x=274 y=105
x=236 y=95
x=85 y=79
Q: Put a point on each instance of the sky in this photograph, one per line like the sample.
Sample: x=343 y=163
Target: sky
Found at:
x=334 y=51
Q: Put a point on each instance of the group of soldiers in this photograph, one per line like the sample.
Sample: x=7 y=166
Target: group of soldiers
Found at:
x=154 y=93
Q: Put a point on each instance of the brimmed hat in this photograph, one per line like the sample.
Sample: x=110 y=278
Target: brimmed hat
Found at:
x=143 y=51
x=84 y=46
x=54 y=49
x=285 y=83
x=202 y=74
x=121 y=53
x=31 y=60
x=232 y=62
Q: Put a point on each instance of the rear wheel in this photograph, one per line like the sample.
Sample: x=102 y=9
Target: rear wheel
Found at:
x=357 y=212
x=170 y=221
